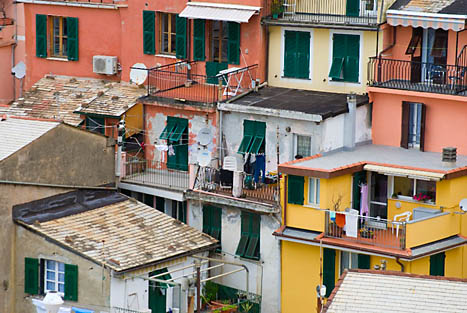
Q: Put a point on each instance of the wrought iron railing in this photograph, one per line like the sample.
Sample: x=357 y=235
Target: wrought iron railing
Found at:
x=156 y=173
x=370 y=230
x=186 y=81
x=124 y=310
x=417 y=76
x=357 y=12
x=210 y=179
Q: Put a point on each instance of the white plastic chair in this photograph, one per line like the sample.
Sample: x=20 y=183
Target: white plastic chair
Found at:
x=398 y=219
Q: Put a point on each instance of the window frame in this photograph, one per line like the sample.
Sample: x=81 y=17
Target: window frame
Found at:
x=61 y=36
x=342 y=82
x=249 y=244
x=171 y=18
x=316 y=191
x=415 y=191
x=56 y=281
x=282 y=57
x=224 y=26
x=296 y=145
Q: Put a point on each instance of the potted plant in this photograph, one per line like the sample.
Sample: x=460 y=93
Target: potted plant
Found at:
x=276 y=8
x=366 y=233
x=209 y=293
x=421 y=197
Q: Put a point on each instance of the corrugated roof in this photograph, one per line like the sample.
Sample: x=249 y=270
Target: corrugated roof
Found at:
x=219 y=11
x=17 y=133
x=371 y=291
x=57 y=97
x=125 y=234
x=457 y=7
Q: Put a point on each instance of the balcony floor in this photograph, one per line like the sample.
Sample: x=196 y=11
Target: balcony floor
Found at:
x=264 y=195
x=368 y=21
x=160 y=178
x=422 y=87
x=385 y=238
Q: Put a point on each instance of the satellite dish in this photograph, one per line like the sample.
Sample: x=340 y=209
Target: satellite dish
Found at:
x=463 y=205
x=19 y=70
x=204 y=136
x=204 y=158
x=138 y=73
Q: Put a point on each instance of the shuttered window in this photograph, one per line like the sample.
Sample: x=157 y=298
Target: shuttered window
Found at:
x=167 y=34
x=437 y=264
x=345 y=58
x=297 y=54
x=56 y=277
x=199 y=35
x=329 y=270
x=233 y=48
x=181 y=29
x=352 y=8
x=212 y=69
x=254 y=133
x=212 y=221
x=41 y=36
x=295 y=189
x=149 y=31
x=176 y=134
x=249 y=244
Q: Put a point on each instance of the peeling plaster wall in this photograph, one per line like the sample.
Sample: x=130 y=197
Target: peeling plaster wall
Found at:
x=264 y=274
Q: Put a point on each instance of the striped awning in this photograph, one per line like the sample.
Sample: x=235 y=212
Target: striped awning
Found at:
x=219 y=12
x=396 y=171
x=426 y=20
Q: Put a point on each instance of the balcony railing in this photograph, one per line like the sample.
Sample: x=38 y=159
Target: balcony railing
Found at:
x=155 y=173
x=347 y=12
x=417 y=76
x=211 y=180
x=185 y=81
x=370 y=231
x=124 y=310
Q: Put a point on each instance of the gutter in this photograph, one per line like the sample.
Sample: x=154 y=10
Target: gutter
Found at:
x=55 y=185
x=75 y=4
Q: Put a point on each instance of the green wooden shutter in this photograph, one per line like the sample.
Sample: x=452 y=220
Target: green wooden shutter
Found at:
x=252 y=250
x=71 y=282
x=198 y=40
x=329 y=270
x=339 y=51
x=31 y=276
x=351 y=65
x=41 y=36
x=207 y=214
x=364 y=261
x=249 y=132
x=72 y=42
x=352 y=8
x=303 y=55
x=216 y=223
x=295 y=189
x=437 y=262
x=180 y=43
x=149 y=32
x=290 y=54
x=233 y=48
x=244 y=235
x=358 y=179
x=259 y=133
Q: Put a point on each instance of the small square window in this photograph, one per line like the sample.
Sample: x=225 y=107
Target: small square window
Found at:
x=313 y=191
x=54 y=276
x=302 y=146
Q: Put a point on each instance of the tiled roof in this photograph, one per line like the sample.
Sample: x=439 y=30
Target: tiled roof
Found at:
x=387 y=291
x=57 y=97
x=432 y=6
x=110 y=228
x=18 y=132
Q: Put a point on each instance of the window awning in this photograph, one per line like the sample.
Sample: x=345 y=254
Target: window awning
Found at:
x=395 y=171
x=219 y=12
x=426 y=20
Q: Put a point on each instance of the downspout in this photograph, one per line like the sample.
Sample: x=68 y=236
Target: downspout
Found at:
x=285 y=197
x=400 y=263
x=379 y=24
x=13 y=49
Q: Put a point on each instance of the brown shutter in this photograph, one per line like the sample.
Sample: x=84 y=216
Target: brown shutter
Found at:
x=405 y=125
x=422 y=128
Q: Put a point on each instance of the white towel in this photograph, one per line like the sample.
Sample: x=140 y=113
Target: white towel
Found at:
x=351 y=224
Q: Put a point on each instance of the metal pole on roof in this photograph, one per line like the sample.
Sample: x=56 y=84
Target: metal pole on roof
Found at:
x=198 y=286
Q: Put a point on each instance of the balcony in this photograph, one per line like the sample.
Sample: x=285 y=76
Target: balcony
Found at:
x=154 y=173
x=324 y=12
x=186 y=81
x=417 y=76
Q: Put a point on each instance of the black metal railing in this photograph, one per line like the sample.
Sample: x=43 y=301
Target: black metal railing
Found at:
x=417 y=76
x=362 y=13
x=155 y=173
x=185 y=81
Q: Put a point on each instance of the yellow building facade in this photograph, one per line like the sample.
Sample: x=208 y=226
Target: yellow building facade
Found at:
x=429 y=245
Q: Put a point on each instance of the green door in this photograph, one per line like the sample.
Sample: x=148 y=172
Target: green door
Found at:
x=157 y=298
x=359 y=178
x=353 y=8
x=178 y=139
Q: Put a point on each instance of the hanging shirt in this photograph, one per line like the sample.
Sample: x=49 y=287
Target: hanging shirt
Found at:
x=364 y=200
x=171 y=150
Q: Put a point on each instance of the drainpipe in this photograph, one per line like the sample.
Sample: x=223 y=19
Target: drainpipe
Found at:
x=13 y=49
x=391 y=45
x=350 y=123
x=400 y=263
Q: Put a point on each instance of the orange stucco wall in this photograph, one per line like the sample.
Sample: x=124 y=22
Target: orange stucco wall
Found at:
x=10 y=87
x=120 y=33
x=446 y=118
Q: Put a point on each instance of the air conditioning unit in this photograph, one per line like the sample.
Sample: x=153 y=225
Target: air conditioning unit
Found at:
x=103 y=64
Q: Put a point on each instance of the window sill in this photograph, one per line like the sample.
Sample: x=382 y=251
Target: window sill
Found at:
x=296 y=78
x=311 y=206
x=170 y=56
x=57 y=59
x=414 y=201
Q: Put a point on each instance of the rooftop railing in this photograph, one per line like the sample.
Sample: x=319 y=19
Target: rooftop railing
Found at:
x=186 y=81
x=417 y=76
x=350 y=12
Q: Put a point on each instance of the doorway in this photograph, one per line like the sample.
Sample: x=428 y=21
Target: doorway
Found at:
x=379 y=195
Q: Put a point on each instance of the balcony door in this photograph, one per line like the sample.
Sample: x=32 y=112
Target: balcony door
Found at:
x=379 y=195
x=434 y=55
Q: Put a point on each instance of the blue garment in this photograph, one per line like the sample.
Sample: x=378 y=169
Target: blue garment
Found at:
x=260 y=165
x=332 y=215
x=78 y=310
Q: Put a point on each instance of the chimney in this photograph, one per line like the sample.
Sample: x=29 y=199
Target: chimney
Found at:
x=449 y=156
x=350 y=122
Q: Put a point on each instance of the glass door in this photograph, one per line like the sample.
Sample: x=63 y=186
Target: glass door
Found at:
x=379 y=195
